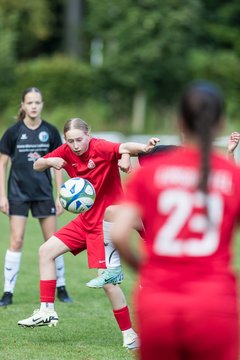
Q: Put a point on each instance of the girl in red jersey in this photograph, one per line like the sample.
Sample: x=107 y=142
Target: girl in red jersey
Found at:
x=189 y=202
x=97 y=161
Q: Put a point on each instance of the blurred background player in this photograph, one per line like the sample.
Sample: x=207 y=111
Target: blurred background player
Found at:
x=187 y=304
x=23 y=143
x=143 y=157
x=97 y=161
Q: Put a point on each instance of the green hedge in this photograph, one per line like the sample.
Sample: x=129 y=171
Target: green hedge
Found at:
x=71 y=88
x=62 y=80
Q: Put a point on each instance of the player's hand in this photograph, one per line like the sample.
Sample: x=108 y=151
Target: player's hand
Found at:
x=4 y=205
x=233 y=141
x=56 y=162
x=152 y=142
x=124 y=163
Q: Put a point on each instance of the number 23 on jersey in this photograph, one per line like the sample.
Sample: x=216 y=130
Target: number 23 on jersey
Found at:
x=179 y=208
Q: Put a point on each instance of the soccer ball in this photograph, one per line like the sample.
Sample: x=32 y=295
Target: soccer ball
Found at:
x=77 y=195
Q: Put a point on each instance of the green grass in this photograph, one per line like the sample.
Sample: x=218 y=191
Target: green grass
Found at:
x=87 y=329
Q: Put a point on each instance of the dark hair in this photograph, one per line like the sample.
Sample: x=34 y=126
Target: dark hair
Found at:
x=201 y=109
x=76 y=123
x=21 y=113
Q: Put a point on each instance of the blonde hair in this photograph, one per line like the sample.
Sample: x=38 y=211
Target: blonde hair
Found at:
x=76 y=123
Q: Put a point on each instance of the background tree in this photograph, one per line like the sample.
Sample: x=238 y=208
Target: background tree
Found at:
x=73 y=26
x=129 y=58
x=146 y=46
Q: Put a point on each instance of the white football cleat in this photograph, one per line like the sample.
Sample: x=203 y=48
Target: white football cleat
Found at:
x=40 y=318
x=131 y=340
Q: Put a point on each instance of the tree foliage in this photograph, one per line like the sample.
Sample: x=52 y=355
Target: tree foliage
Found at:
x=147 y=47
x=146 y=41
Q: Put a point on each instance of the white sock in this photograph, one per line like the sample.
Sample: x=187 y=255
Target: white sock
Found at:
x=111 y=253
x=47 y=306
x=11 y=268
x=128 y=331
x=129 y=336
x=60 y=271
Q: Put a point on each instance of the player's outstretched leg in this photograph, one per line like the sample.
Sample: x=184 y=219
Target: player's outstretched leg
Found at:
x=113 y=274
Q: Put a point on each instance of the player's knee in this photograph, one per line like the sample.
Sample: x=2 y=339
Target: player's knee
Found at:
x=16 y=243
x=43 y=252
x=110 y=213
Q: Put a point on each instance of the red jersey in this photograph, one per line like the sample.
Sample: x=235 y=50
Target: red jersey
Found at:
x=99 y=165
x=185 y=248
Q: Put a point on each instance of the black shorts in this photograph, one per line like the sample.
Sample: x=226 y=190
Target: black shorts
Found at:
x=39 y=209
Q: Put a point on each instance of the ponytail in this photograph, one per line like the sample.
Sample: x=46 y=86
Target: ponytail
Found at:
x=21 y=114
x=201 y=110
x=205 y=134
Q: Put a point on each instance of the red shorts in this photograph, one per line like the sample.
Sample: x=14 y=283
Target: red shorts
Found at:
x=171 y=327
x=78 y=238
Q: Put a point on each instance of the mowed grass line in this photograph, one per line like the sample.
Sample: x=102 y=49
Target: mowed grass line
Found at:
x=87 y=329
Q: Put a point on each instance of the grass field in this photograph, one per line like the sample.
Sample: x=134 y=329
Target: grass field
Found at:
x=87 y=329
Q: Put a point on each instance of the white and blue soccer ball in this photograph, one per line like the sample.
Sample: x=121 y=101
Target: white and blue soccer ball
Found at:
x=77 y=195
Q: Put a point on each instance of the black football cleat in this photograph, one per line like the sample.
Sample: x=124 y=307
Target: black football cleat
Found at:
x=62 y=295
x=6 y=299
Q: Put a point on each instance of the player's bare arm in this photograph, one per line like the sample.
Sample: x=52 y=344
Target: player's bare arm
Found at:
x=4 y=205
x=55 y=162
x=133 y=148
x=59 y=181
x=232 y=144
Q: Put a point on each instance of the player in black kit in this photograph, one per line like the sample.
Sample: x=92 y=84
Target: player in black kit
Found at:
x=24 y=142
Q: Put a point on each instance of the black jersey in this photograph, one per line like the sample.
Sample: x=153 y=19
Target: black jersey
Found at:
x=24 y=146
x=142 y=157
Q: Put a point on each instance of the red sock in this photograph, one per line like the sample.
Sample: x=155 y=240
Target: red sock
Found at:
x=47 y=290
x=123 y=318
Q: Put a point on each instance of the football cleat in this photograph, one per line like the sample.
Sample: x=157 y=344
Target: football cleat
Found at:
x=6 y=299
x=108 y=276
x=40 y=318
x=131 y=340
x=62 y=295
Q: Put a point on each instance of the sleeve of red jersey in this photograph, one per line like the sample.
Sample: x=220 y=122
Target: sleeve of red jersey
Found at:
x=58 y=152
x=61 y=152
x=108 y=149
